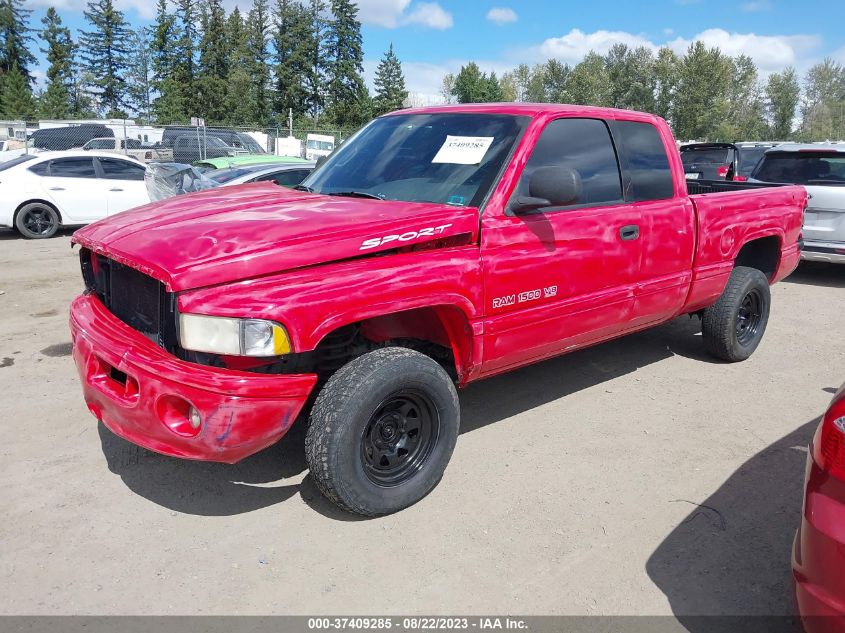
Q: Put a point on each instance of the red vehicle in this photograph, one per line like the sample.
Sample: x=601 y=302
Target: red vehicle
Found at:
x=818 y=556
x=436 y=247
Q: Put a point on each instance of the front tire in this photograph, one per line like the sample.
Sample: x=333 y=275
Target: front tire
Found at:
x=382 y=431
x=733 y=327
x=37 y=221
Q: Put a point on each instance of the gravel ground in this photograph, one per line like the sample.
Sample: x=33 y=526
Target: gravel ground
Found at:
x=637 y=477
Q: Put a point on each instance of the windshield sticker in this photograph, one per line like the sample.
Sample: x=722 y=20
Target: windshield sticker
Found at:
x=463 y=150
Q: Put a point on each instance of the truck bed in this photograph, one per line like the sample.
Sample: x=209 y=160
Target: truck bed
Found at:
x=699 y=187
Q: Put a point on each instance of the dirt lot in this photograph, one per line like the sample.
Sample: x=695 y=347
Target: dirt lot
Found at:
x=638 y=477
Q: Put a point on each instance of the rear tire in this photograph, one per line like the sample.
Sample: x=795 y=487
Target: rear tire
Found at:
x=37 y=221
x=734 y=326
x=382 y=431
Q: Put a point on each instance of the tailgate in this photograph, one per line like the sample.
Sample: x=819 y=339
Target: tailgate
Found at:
x=824 y=220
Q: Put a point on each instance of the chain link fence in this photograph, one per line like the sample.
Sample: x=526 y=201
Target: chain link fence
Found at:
x=155 y=142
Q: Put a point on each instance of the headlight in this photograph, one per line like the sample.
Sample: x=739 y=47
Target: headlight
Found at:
x=232 y=337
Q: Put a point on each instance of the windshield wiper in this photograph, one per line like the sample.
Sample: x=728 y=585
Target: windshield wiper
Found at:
x=304 y=188
x=355 y=194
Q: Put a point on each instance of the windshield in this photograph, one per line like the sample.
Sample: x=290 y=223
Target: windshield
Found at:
x=249 y=143
x=225 y=175
x=710 y=156
x=323 y=145
x=443 y=158
x=16 y=161
x=801 y=168
x=750 y=156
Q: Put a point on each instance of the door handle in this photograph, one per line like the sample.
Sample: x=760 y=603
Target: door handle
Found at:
x=115 y=189
x=629 y=232
x=57 y=188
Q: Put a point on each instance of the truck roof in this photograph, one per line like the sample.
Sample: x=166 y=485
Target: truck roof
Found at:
x=530 y=109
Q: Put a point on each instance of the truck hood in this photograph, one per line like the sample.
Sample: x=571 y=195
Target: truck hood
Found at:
x=233 y=233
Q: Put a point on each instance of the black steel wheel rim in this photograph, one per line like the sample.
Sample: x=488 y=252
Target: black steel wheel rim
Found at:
x=38 y=221
x=749 y=317
x=399 y=437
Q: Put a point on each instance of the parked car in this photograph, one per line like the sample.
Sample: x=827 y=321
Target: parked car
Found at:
x=750 y=154
x=232 y=138
x=286 y=175
x=67 y=137
x=818 y=555
x=821 y=168
x=436 y=247
x=130 y=147
x=243 y=160
x=190 y=149
x=721 y=161
x=41 y=192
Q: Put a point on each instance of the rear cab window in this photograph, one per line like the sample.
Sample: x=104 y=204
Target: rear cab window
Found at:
x=646 y=174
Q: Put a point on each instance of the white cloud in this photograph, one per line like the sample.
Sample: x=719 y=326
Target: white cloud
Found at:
x=756 y=5
x=429 y=14
x=144 y=8
x=771 y=53
x=501 y=15
x=573 y=46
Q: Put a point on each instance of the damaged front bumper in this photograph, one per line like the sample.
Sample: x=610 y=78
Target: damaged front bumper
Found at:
x=151 y=398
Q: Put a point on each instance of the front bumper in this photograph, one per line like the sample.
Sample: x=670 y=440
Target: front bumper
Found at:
x=818 y=555
x=830 y=252
x=142 y=393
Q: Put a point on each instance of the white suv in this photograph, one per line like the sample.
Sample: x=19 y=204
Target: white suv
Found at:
x=820 y=167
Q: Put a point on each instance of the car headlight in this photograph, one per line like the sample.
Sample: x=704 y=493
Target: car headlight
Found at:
x=232 y=337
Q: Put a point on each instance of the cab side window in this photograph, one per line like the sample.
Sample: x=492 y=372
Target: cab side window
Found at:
x=585 y=146
x=645 y=165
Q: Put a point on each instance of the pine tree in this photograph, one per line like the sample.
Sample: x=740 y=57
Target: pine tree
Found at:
x=16 y=100
x=554 y=81
x=292 y=56
x=55 y=102
x=139 y=75
x=168 y=106
x=701 y=100
x=186 y=45
x=258 y=36
x=469 y=85
x=104 y=52
x=390 y=84
x=315 y=77
x=240 y=98
x=347 y=94
x=213 y=67
x=14 y=37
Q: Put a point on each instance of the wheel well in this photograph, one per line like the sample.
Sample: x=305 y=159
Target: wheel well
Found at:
x=39 y=200
x=441 y=332
x=762 y=254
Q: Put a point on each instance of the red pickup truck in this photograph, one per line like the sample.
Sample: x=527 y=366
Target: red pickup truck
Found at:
x=436 y=247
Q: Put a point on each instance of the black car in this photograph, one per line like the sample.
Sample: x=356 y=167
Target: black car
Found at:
x=69 y=137
x=722 y=161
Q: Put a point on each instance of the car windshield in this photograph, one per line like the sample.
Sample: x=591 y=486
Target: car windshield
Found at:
x=750 y=156
x=250 y=144
x=225 y=175
x=16 y=161
x=802 y=168
x=710 y=156
x=444 y=158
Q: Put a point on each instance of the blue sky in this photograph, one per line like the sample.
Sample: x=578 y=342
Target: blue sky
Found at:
x=432 y=38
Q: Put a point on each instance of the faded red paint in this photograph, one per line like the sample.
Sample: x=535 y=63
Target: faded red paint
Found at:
x=264 y=252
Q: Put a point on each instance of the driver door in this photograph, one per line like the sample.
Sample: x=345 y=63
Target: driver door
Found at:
x=561 y=276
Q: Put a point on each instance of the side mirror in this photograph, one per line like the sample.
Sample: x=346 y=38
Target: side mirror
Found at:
x=552 y=186
x=320 y=161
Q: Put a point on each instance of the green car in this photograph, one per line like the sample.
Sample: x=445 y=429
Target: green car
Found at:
x=245 y=159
